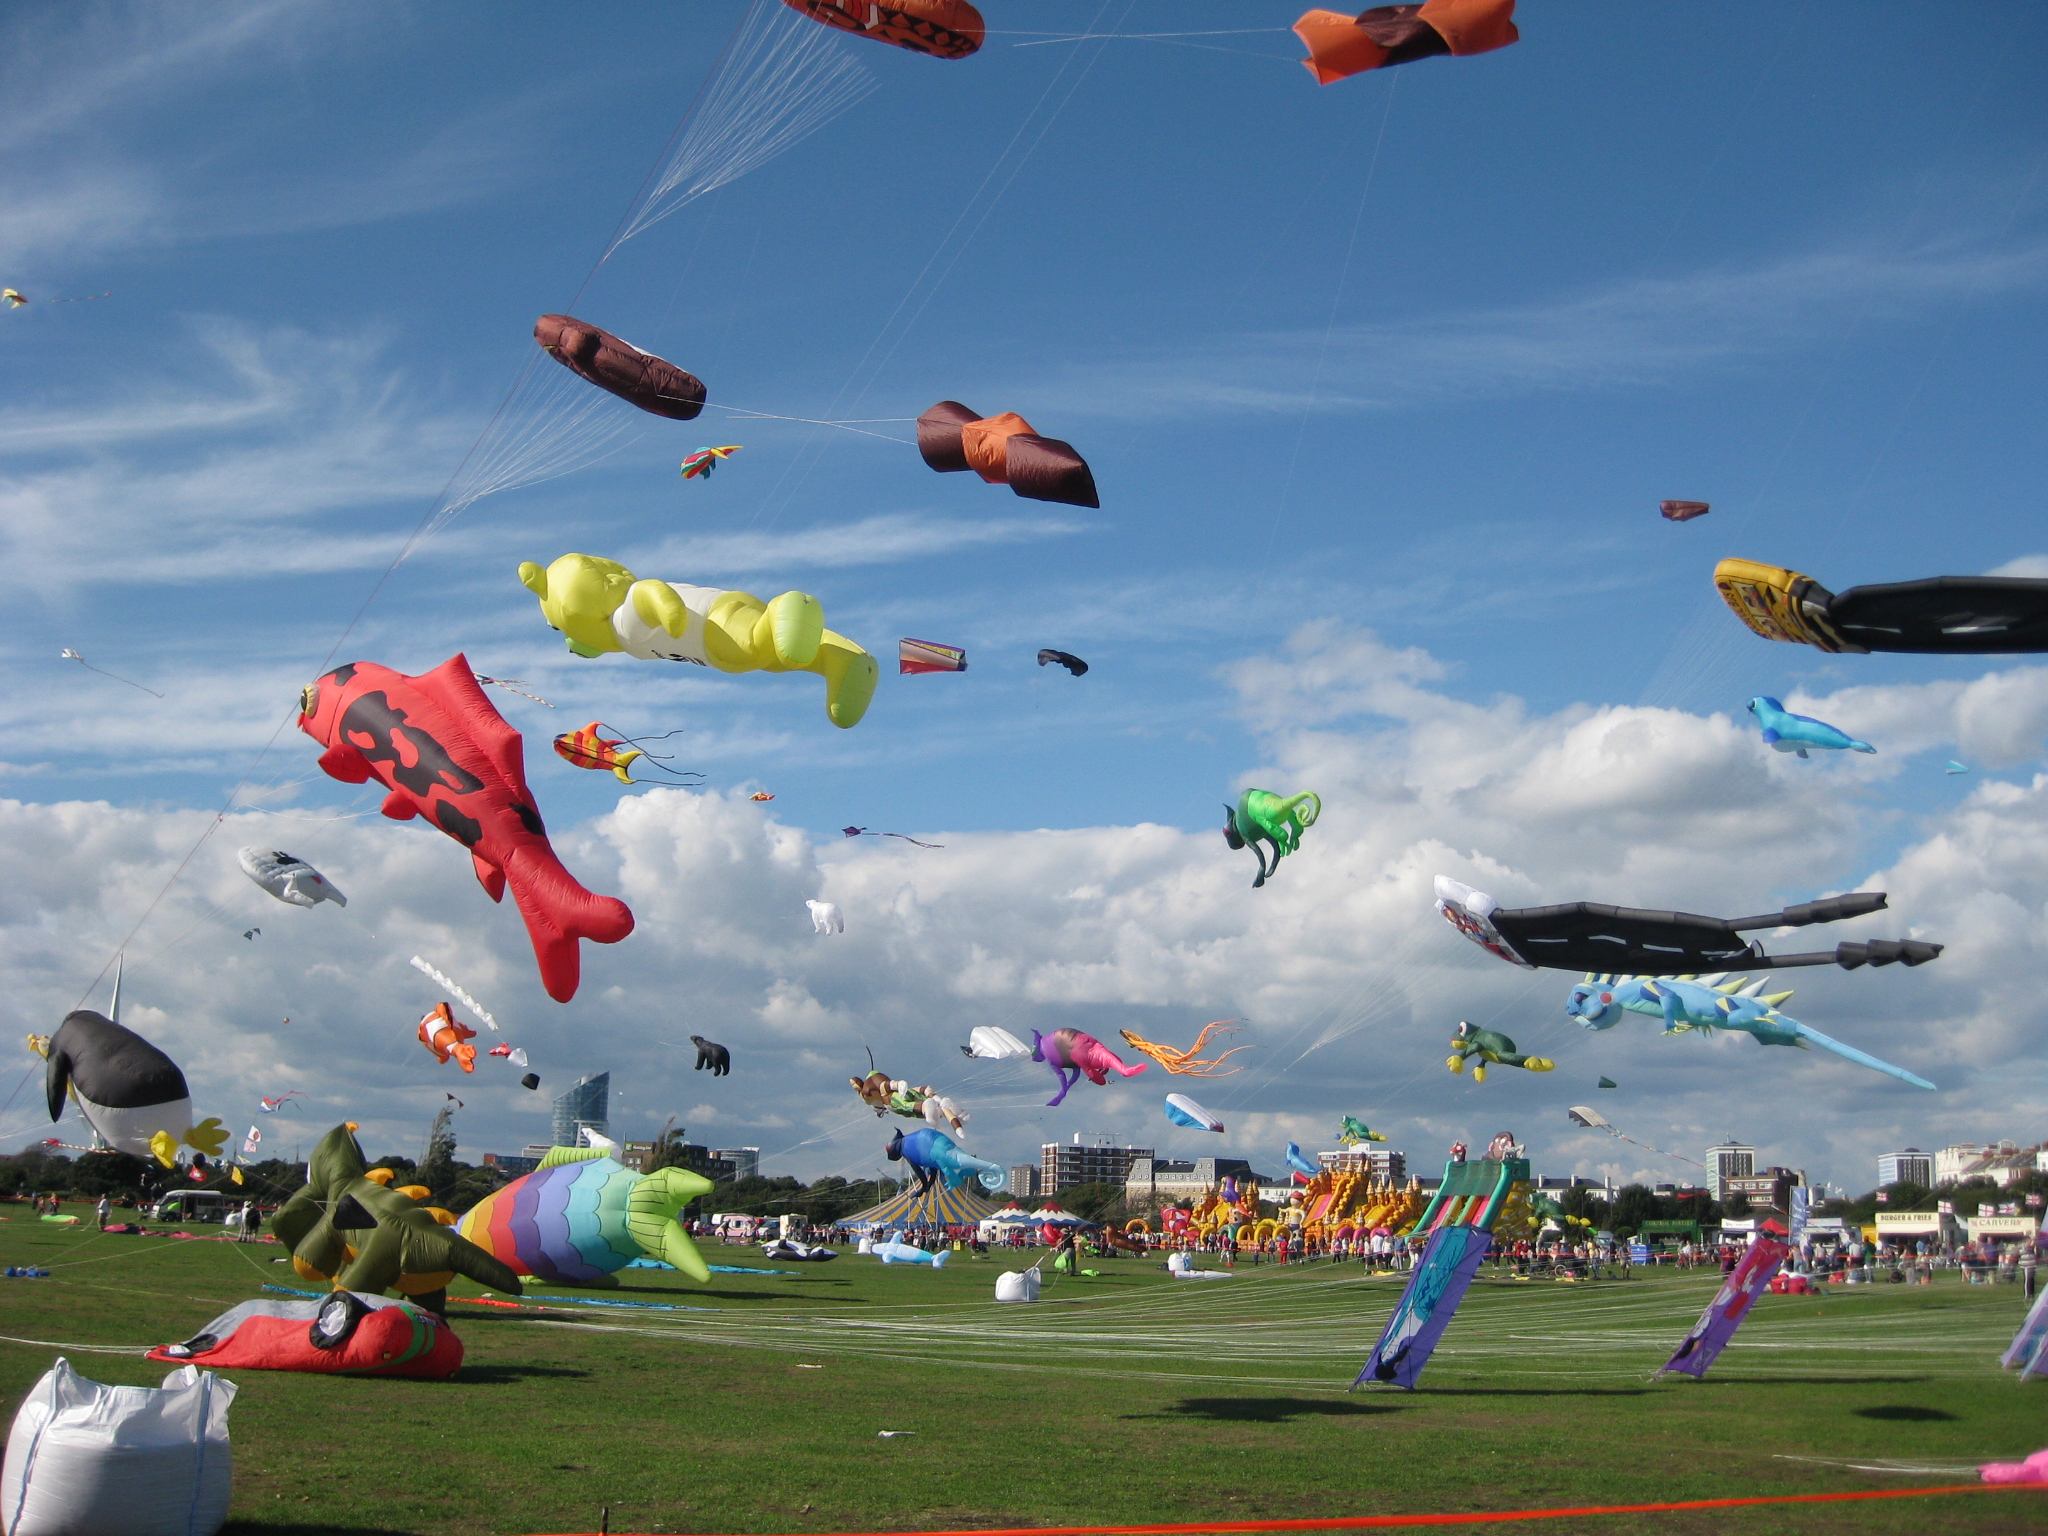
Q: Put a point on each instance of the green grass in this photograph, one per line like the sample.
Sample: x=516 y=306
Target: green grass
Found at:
x=1131 y=1398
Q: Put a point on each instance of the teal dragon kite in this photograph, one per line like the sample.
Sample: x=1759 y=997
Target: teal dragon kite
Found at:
x=1260 y=816
x=1708 y=1003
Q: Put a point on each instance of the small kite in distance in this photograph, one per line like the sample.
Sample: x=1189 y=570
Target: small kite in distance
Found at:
x=512 y=685
x=760 y=797
x=1182 y=1110
x=1341 y=46
x=1593 y=1120
x=1263 y=817
x=915 y=656
x=272 y=1106
x=1607 y=1082
x=991 y=1042
x=864 y=832
x=698 y=466
x=1955 y=767
x=250 y=933
x=67 y=654
x=1188 y=1063
x=826 y=917
x=1683 y=511
x=591 y=748
x=530 y=1081
x=13 y=298
x=289 y=878
x=712 y=1055
x=1071 y=662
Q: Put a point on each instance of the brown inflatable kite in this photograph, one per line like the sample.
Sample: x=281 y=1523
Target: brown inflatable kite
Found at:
x=650 y=382
x=1341 y=46
x=945 y=29
x=1004 y=450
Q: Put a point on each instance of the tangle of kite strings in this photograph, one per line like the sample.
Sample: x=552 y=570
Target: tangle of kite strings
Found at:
x=779 y=80
x=457 y=993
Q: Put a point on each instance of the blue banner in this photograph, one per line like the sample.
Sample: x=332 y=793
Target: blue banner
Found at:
x=1426 y=1306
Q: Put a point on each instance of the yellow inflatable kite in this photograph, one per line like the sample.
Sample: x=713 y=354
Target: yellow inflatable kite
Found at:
x=600 y=606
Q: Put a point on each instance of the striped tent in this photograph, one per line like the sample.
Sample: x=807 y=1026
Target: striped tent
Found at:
x=939 y=1207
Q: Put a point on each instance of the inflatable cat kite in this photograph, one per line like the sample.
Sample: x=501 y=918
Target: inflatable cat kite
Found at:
x=448 y=756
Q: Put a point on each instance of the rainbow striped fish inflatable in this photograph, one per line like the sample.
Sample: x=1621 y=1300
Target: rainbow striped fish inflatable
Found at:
x=582 y=1216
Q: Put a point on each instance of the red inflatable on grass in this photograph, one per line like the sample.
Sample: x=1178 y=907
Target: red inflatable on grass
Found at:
x=448 y=757
x=343 y=1334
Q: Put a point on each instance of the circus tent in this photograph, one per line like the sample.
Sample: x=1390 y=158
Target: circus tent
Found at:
x=937 y=1207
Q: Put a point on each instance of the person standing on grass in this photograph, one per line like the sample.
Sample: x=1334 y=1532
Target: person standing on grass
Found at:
x=103 y=1210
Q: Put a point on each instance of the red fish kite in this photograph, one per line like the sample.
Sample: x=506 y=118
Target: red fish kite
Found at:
x=944 y=29
x=446 y=755
x=1684 y=511
x=590 y=748
x=1004 y=450
x=1341 y=46
x=929 y=656
x=652 y=383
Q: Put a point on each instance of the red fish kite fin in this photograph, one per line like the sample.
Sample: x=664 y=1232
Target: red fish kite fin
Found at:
x=398 y=805
x=489 y=876
x=345 y=762
x=558 y=912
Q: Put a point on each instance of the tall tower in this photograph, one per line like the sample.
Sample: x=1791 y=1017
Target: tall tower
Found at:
x=583 y=1105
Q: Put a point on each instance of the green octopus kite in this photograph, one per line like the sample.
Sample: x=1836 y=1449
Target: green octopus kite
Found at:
x=347 y=1227
x=1260 y=816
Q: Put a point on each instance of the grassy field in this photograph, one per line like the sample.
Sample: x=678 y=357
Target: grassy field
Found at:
x=1125 y=1399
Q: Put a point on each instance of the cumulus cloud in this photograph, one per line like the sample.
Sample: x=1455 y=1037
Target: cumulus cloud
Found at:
x=1348 y=982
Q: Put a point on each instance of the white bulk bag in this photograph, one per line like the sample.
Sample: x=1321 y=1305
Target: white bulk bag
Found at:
x=1017 y=1285
x=85 y=1459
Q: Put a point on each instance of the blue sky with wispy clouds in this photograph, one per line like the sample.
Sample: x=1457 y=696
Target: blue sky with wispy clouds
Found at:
x=1415 y=354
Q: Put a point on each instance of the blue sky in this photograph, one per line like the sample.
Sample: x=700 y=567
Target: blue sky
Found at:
x=1414 y=354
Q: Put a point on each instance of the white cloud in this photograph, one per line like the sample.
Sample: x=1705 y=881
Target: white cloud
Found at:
x=878 y=540
x=1348 y=982
x=1634 y=333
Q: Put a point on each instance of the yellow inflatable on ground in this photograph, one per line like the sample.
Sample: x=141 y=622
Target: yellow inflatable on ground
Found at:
x=600 y=606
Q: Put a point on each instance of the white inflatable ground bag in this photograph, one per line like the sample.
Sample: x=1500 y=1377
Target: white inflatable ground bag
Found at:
x=84 y=1459
x=1017 y=1285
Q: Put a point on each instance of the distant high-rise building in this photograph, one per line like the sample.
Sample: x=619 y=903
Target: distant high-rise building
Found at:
x=746 y=1161
x=1377 y=1162
x=1024 y=1181
x=1062 y=1165
x=583 y=1107
x=1729 y=1160
x=1911 y=1166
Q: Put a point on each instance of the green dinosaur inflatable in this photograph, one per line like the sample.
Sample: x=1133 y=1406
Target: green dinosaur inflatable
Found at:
x=346 y=1227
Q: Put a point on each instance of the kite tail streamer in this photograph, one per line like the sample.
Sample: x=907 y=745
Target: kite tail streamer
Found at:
x=459 y=995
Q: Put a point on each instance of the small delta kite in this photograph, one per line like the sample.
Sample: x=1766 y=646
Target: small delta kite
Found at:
x=915 y=656
x=698 y=466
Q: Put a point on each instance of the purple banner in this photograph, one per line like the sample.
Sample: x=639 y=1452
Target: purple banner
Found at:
x=1426 y=1306
x=1731 y=1304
